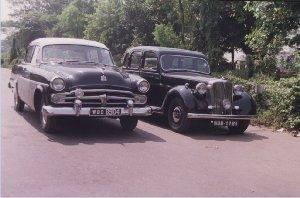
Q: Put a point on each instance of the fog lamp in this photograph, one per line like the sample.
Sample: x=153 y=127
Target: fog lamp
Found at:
x=57 y=98
x=140 y=99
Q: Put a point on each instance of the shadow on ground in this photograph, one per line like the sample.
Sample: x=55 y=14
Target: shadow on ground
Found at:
x=204 y=131
x=72 y=131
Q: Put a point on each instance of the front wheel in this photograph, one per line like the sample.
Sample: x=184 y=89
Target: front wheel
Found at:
x=177 y=116
x=128 y=123
x=240 y=128
x=46 y=122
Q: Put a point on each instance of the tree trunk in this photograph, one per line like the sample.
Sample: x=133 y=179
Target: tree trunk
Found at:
x=232 y=57
x=181 y=11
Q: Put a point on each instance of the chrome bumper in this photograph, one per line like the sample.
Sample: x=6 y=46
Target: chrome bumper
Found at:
x=85 y=111
x=218 y=117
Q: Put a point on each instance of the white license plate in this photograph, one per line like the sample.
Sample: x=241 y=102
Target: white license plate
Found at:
x=224 y=123
x=105 y=112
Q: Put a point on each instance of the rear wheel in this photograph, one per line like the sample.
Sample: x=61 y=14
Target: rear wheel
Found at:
x=240 y=128
x=46 y=122
x=128 y=123
x=18 y=103
x=177 y=116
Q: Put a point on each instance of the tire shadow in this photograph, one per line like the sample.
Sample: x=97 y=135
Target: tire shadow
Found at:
x=201 y=130
x=87 y=130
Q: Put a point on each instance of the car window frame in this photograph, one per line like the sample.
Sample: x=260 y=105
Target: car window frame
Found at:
x=42 y=48
x=144 y=61
x=130 y=60
x=31 y=56
x=162 y=68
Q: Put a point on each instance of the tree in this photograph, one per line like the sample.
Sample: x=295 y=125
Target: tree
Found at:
x=274 y=20
x=13 y=51
x=73 y=19
x=165 y=36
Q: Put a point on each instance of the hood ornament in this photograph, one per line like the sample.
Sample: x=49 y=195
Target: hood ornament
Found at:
x=103 y=78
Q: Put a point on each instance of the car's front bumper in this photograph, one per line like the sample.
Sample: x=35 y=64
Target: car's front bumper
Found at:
x=85 y=111
x=218 y=117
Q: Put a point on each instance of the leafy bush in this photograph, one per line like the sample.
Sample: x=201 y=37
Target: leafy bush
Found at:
x=278 y=105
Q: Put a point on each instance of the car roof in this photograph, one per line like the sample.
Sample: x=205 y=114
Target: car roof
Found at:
x=67 y=41
x=162 y=50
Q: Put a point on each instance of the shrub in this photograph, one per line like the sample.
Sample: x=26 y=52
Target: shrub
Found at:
x=279 y=104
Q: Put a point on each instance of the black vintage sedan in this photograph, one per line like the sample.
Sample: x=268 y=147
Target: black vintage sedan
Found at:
x=182 y=89
x=75 y=77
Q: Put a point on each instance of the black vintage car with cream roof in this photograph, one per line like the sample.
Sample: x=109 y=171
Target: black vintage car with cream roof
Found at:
x=74 y=77
x=182 y=88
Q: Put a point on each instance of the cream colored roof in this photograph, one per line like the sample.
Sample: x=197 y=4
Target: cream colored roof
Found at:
x=67 y=41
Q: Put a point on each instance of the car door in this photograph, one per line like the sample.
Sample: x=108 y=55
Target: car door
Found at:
x=149 y=71
x=23 y=82
x=133 y=61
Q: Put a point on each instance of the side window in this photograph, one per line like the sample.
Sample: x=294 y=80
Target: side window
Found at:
x=36 y=55
x=126 y=60
x=135 y=60
x=29 y=54
x=150 y=61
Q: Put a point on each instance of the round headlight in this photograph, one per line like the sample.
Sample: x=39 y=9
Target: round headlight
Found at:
x=238 y=89
x=58 y=84
x=201 y=88
x=143 y=86
x=226 y=104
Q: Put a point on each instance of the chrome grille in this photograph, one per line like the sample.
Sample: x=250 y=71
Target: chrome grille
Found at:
x=220 y=91
x=94 y=97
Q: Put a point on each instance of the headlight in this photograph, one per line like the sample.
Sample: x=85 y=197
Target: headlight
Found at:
x=143 y=86
x=201 y=88
x=58 y=84
x=238 y=89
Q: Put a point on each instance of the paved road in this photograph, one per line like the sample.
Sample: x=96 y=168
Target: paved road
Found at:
x=95 y=158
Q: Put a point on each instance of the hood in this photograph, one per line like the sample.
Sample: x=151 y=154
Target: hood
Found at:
x=87 y=76
x=193 y=78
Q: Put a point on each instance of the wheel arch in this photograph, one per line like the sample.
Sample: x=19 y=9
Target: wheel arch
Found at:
x=182 y=92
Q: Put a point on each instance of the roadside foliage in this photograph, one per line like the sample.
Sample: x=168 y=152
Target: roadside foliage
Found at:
x=259 y=28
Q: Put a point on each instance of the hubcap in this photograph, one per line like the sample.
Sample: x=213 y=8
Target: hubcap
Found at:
x=177 y=114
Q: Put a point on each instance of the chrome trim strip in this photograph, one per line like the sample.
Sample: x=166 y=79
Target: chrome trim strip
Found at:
x=103 y=90
x=216 y=116
x=85 y=111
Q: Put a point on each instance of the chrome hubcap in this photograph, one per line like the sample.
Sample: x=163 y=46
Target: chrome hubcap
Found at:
x=177 y=114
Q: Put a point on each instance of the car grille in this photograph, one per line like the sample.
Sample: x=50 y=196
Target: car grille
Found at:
x=219 y=92
x=92 y=97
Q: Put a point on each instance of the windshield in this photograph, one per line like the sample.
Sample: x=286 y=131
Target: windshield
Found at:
x=76 y=53
x=184 y=63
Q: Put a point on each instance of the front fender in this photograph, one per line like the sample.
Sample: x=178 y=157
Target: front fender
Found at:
x=246 y=104
x=182 y=92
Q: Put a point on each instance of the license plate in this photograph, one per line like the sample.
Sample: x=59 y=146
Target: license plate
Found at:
x=105 y=112
x=224 y=123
